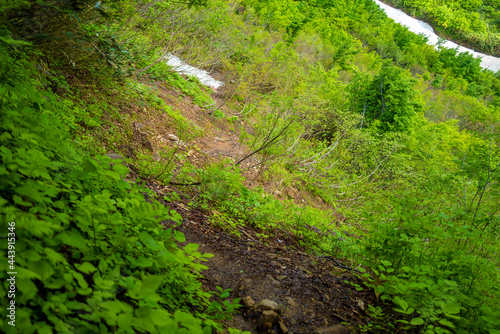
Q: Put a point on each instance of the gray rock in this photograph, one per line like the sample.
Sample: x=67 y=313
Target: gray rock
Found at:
x=267 y=305
x=147 y=144
x=267 y=319
x=115 y=156
x=283 y=328
x=336 y=329
x=172 y=137
x=248 y=302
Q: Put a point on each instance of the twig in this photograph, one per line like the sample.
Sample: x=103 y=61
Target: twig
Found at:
x=329 y=257
x=184 y=184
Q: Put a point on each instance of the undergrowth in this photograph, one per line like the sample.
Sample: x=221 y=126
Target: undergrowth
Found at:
x=397 y=139
x=90 y=254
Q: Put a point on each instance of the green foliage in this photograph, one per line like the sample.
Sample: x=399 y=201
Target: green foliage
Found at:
x=90 y=254
x=378 y=322
x=462 y=65
x=224 y=309
x=471 y=21
x=190 y=86
x=330 y=94
x=233 y=205
x=421 y=262
x=388 y=99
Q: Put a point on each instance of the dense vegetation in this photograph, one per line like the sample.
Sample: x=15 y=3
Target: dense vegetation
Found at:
x=397 y=139
x=475 y=22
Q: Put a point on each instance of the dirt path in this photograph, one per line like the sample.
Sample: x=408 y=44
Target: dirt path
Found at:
x=312 y=292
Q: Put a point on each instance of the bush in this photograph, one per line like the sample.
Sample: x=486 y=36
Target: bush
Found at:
x=90 y=254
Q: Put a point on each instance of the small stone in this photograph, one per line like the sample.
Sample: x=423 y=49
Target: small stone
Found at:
x=219 y=139
x=190 y=153
x=139 y=126
x=267 y=319
x=147 y=144
x=172 y=137
x=283 y=328
x=248 y=302
x=336 y=329
x=115 y=156
x=267 y=305
x=129 y=151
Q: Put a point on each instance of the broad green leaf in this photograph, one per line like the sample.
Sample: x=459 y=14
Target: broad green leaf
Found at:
x=54 y=256
x=446 y=323
x=42 y=268
x=160 y=317
x=148 y=241
x=26 y=273
x=86 y=267
x=79 y=278
x=74 y=239
x=28 y=288
x=152 y=282
x=19 y=201
x=14 y=42
x=190 y=248
x=179 y=236
x=187 y=320
x=30 y=255
x=402 y=303
x=143 y=261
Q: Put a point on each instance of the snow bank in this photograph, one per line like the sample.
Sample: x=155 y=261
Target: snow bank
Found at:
x=183 y=68
x=419 y=27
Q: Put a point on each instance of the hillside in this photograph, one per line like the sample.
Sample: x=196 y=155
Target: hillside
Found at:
x=475 y=23
x=345 y=170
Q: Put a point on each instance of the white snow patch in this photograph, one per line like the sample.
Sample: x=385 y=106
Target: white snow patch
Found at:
x=419 y=27
x=183 y=68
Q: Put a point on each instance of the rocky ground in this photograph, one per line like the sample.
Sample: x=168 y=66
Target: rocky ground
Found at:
x=282 y=289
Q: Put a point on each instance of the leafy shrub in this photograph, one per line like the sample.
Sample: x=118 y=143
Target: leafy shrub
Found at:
x=389 y=99
x=424 y=264
x=91 y=255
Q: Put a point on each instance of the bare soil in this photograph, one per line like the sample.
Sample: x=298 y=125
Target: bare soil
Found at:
x=313 y=292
